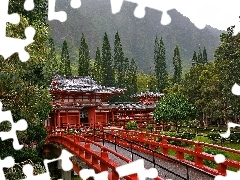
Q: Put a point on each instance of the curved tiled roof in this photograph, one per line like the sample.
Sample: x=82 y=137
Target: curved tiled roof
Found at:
x=126 y=105
x=80 y=84
x=148 y=94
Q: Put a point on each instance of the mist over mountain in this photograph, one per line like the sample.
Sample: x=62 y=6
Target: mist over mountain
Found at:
x=94 y=18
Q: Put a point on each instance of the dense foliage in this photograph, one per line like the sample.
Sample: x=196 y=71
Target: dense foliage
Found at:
x=174 y=108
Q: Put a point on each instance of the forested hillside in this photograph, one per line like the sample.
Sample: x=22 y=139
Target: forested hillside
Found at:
x=94 y=18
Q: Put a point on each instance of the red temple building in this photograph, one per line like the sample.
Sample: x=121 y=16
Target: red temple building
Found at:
x=78 y=100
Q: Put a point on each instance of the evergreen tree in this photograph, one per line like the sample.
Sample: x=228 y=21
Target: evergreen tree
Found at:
x=84 y=58
x=200 y=56
x=52 y=64
x=177 y=66
x=108 y=78
x=65 y=60
x=194 y=59
x=120 y=64
x=205 y=60
x=97 y=70
x=131 y=80
x=160 y=65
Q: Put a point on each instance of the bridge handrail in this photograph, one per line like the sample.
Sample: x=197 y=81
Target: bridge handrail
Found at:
x=153 y=151
x=72 y=143
x=199 y=155
x=143 y=137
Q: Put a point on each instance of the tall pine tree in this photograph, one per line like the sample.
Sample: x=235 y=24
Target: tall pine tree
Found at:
x=160 y=65
x=120 y=64
x=200 y=56
x=177 y=77
x=205 y=60
x=84 y=58
x=65 y=68
x=194 y=59
x=131 y=80
x=52 y=64
x=108 y=78
x=97 y=69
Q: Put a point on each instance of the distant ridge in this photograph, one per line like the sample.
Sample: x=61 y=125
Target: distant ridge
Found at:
x=137 y=35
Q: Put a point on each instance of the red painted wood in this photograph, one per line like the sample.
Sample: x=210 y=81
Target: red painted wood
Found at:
x=84 y=152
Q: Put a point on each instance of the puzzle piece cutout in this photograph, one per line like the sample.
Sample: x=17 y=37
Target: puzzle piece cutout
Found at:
x=136 y=167
x=236 y=89
x=21 y=125
x=229 y=125
x=8 y=45
x=6 y=163
x=65 y=163
x=230 y=175
x=187 y=8
x=161 y=5
x=29 y=5
x=60 y=15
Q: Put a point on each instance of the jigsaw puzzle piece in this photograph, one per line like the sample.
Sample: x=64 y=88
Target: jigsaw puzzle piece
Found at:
x=230 y=125
x=29 y=5
x=28 y=171
x=5 y=17
x=60 y=15
x=75 y=4
x=139 y=12
x=21 y=125
x=53 y=15
x=65 y=160
x=116 y=5
x=6 y=46
x=65 y=163
x=87 y=173
x=137 y=167
x=236 y=89
x=219 y=158
x=6 y=163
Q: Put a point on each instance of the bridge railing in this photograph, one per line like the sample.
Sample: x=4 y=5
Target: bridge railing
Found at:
x=81 y=147
x=159 y=142
x=162 y=142
x=130 y=146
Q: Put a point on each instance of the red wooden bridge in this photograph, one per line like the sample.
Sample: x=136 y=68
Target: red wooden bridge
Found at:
x=104 y=149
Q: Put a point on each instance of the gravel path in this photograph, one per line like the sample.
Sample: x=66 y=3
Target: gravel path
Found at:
x=172 y=166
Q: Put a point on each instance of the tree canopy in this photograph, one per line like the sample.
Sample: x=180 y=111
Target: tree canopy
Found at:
x=174 y=108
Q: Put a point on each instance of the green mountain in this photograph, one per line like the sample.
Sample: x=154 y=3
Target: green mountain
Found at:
x=94 y=18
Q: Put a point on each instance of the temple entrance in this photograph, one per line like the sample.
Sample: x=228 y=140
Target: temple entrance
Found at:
x=84 y=115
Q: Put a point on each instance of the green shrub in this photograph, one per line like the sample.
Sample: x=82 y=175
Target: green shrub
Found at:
x=183 y=135
x=131 y=125
x=214 y=136
x=150 y=127
x=235 y=137
x=208 y=150
x=187 y=135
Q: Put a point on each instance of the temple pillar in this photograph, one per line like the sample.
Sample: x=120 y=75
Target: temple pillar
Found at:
x=67 y=117
x=58 y=118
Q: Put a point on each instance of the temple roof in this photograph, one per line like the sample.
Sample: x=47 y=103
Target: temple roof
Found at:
x=148 y=94
x=127 y=105
x=80 y=84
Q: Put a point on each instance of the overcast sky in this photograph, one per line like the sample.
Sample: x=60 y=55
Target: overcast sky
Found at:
x=219 y=14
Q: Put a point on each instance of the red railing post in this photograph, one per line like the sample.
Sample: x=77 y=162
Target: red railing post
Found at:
x=87 y=155
x=222 y=169
x=104 y=156
x=180 y=155
x=164 y=147
x=115 y=175
x=198 y=150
